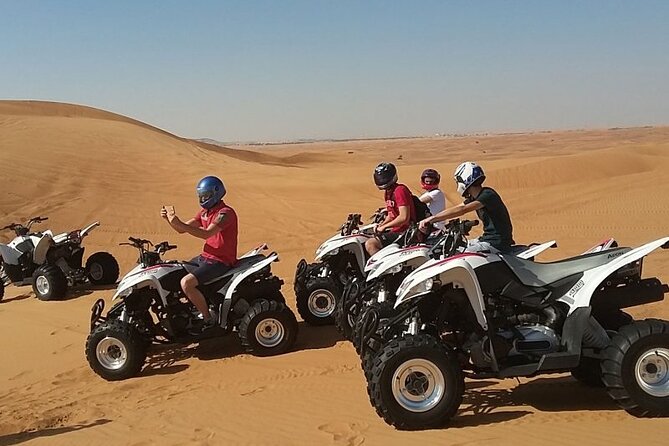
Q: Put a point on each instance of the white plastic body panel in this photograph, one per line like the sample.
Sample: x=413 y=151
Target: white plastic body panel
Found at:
x=412 y=256
x=353 y=243
x=140 y=277
x=534 y=251
x=240 y=276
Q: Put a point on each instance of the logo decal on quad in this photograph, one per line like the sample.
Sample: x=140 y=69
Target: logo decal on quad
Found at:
x=575 y=288
x=614 y=254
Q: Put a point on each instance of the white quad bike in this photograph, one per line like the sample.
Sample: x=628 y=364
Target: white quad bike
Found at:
x=386 y=273
x=153 y=309
x=318 y=286
x=499 y=316
x=52 y=263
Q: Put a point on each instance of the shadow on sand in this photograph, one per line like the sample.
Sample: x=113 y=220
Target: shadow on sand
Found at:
x=165 y=359
x=21 y=437
x=484 y=405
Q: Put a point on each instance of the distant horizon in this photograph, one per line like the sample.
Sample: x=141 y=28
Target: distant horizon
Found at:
x=319 y=70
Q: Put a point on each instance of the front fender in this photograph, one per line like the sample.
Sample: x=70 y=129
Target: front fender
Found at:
x=414 y=256
x=454 y=271
x=353 y=243
x=125 y=289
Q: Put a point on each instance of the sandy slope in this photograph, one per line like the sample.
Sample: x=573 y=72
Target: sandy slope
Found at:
x=77 y=164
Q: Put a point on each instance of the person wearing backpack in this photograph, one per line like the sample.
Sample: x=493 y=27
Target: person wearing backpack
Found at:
x=400 y=205
x=488 y=205
x=433 y=197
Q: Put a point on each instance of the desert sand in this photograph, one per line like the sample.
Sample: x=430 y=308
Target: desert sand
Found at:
x=77 y=165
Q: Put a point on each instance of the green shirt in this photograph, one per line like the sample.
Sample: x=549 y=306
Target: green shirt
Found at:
x=497 y=228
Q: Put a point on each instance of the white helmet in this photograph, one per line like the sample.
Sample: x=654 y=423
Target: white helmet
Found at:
x=467 y=174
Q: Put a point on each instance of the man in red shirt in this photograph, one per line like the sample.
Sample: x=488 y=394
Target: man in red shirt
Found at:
x=400 y=206
x=216 y=223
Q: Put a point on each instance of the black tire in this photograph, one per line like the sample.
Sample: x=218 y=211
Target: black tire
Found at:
x=282 y=321
x=49 y=283
x=341 y=318
x=317 y=300
x=431 y=357
x=633 y=342
x=102 y=269
x=117 y=335
x=2 y=290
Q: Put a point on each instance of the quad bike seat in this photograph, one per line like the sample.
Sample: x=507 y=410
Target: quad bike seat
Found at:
x=541 y=274
x=242 y=264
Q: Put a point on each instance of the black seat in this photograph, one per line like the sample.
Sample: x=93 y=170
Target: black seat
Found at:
x=541 y=274
x=242 y=264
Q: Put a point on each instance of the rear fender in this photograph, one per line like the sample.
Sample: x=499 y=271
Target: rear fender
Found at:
x=255 y=251
x=581 y=293
x=229 y=288
x=536 y=250
x=414 y=256
x=353 y=243
x=455 y=271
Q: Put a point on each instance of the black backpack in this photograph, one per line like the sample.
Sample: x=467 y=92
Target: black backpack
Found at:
x=422 y=210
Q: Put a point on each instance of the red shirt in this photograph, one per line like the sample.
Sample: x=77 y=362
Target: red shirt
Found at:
x=221 y=246
x=398 y=196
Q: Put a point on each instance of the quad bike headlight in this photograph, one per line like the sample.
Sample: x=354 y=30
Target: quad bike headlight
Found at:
x=395 y=269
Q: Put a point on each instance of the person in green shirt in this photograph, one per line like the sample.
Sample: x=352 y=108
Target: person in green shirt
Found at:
x=491 y=210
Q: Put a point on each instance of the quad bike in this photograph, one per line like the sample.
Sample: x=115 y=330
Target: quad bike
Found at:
x=52 y=263
x=318 y=286
x=499 y=316
x=153 y=309
x=386 y=275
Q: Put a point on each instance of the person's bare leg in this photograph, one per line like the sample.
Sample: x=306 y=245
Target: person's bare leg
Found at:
x=189 y=285
x=373 y=245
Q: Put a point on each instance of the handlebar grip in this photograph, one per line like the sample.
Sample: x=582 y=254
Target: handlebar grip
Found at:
x=171 y=246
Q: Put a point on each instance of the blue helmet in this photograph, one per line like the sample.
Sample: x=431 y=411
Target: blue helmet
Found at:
x=210 y=191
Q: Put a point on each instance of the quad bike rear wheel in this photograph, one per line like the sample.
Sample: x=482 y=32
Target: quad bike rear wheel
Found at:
x=115 y=350
x=635 y=368
x=316 y=302
x=49 y=283
x=268 y=328
x=102 y=269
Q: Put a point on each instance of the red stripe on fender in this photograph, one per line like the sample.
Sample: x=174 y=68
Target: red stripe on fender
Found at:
x=161 y=265
x=458 y=256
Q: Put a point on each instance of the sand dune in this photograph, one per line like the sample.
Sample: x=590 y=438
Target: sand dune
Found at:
x=78 y=164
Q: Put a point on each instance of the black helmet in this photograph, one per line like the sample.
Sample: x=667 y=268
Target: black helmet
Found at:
x=385 y=175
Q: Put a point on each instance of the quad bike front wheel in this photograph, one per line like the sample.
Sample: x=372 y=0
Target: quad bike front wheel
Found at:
x=102 y=269
x=415 y=383
x=49 y=283
x=316 y=302
x=268 y=328
x=115 y=350
x=635 y=368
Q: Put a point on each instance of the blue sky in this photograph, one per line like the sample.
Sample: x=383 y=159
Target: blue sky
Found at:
x=277 y=70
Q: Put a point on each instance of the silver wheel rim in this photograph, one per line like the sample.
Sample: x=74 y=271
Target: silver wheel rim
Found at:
x=418 y=385
x=42 y=285
x=652 y=372
x=269 y=332
x=95 y=271
x=111 y=353
x=321 y=303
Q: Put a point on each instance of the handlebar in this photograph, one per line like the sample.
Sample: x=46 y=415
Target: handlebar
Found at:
x=23 y=230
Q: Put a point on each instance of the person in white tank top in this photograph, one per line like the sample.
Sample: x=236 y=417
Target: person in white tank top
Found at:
x=433 y=196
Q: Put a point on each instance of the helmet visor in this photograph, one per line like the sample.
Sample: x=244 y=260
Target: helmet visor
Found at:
x=205 y=195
